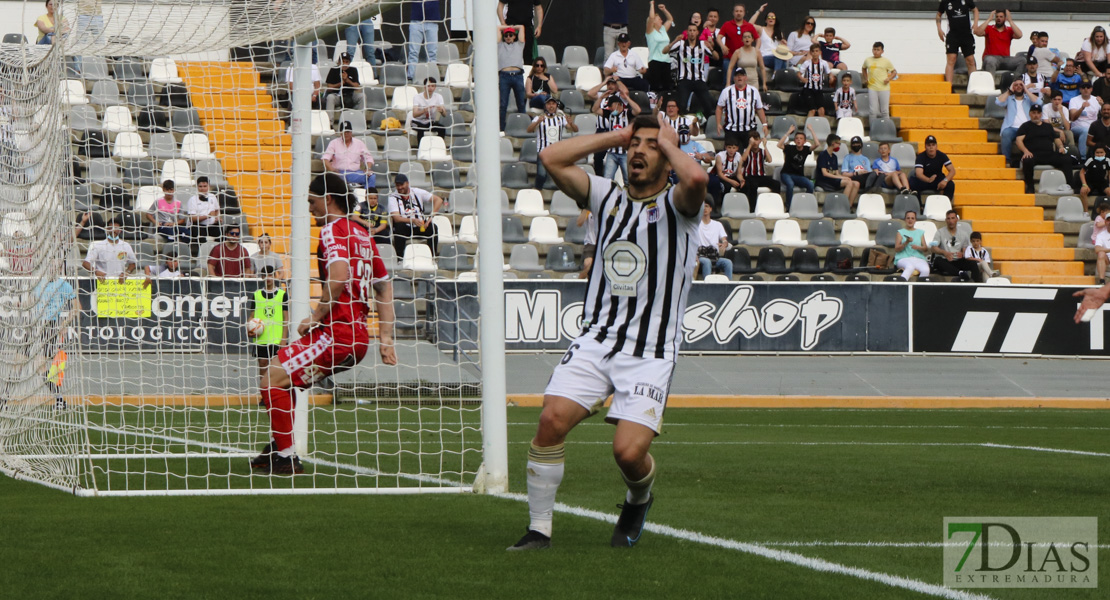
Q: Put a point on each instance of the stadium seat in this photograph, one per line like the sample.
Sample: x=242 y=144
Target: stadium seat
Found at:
x=82 y=117
x=117 y=119
x=837 y=206
x=544 y=230
x=178 y=171
x=422 y=71
x=94 y=144
x=394 y=75
x=741 y=260
x=128 y=69
x=821 y=232
x=468 y=229
x=561 y=75
x=418 y=177
x=103 y=172
x=806 y=260
x=153 y=119
x=529 y=203
x=849 y=127
x=929 y=228
x=1053 y=183
x=904 y=203
x=445 y=175
x=418 y=257
x=936 y=206
x=716 y=278
x=872 y=207
x=512 y=230
x=804 y=206
x=1070 y=210
x=854 y=233
x=320 y=124
x=1085 y=232
x=865 y=258
x=73 y=92
x=786 y=80
x=147 y=196
x=587 y=77
x=432 y=148
x=185 y=120
x=516 y=125
x=787 y=233
x=402 y=98
x=575 y=57
x=528 y=152
x=164 y=70
x=14 y=38
x=195 y=146
x=998 y=281
x=886 y=233
x=508 y=154
x=457 y=76
x=884 y=130
x=397 y=148
x=445 y=230
x=105 y=93
x=356 y=118
x=780 y=126
x=454 y=257
x=162 y=146
x=906 y=156
x=769 y=206
x=576 y=234
x=525 y=257
x=462 y=149
x=94 y=68
x=211 y=168
x=128 y=145
x=981 y=83
x=548 y=54
x=587 y=124
x=771 y=260
x=140 y=172
x=735 y=206
x=821 y=128
x=835 y=260
x=753 y=233
x=462 y=201
x=563 y=206
x=561 y=259
x=514 y=176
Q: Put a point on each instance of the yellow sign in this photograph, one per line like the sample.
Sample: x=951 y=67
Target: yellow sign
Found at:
x=128 y=300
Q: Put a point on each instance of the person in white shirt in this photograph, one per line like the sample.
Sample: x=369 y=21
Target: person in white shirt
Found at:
x=315 y=75
x=426 y=108
x=411 y=210
x=111 y=257
x=977 y=253
x=204 y=211
x=627 y=65
x=169 y=269
x=1083 y=110
x=712 y=243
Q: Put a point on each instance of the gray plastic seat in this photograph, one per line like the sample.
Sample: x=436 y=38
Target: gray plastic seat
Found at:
x=127 y=68
x=512 y=230
x=103 y=171
x=394 y=74
x=780 y=126
x=837 y=206
x=422 y=71
x=462 y=148
x=904 y=203
x=884 y=130
x=821 y=127
x=548 y=54
x=447 y=53
x=516 y=125
x=804 y=206
x=185 y=120
x=397 y=148
x=525 y=257
x=105 y=93
x=82 y=117
x=528 y=151
x=141 y=172
x=418 y=177
x=1070 y=209
x=563 y=206
x=453 y=124
x=462 y=201
x=1085 y=231
x=140 y=94
x=822 y=232
x=735 y=206
x=561 y=75
x=357 y=119
x=806 y=260
x=94 y=68
x=753 y=233
x=376 y=98
x=574 y=103
x=454 y=257
x=446 y=176
x=508 y=154
x=575 y=233
x=162 y=146
x=211 y=169
x=561 y=258
x=886 y=235
x=514 y=176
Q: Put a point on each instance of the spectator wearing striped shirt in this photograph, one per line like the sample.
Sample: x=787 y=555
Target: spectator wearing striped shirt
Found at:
x=727 y=174
x=693 y=71
x=615 y=118
x=754 y=174
x=740 y=109
x=845 y=98
x=813 y=74
x=549 y=129
x=599 y=97
x=675 y=119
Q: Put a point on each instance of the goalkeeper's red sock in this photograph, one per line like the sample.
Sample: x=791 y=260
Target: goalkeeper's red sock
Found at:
x=280 y=403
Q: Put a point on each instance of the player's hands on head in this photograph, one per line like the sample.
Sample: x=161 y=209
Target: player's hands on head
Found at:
x=666 y=132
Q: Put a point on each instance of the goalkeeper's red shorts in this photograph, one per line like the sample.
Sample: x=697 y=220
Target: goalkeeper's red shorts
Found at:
x=324 y=351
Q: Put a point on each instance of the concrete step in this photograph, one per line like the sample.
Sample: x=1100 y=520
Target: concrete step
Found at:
x=920 y=87
x=258 y=160
x=954 y=111
x=1027 y=254
x=978 y=161
x=1015 y=268
x=1004 y=213
x=262 y=185
x=1025 y=240
x=938 y=123
x=231 y=112
x=968 y=200
x=988 y=226
x=984 y=186
x=1003 y=174
x=921 y=77
x=984 y=148
x=1054 y=279
x=928 y=99
x=946 y=137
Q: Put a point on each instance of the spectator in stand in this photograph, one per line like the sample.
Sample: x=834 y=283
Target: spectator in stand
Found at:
x=1017 y=104
x=749 y=58
x=411 y=210
x=315 y=76
x=424 y=18
x=427 y=108
x=549 y=129
x=726 y=175
x=230 y=259
x=812 y=74
x=539 y=86
x=979 y=255
x=375 y=218
x=889 y=171
x=599 y=95
x=999 y=36
x=754 y=174
x=1102 y=219
x=1035 y=83
x=1067 y=81
x=111 y=257
x=948 y=246
x=1083 y=111
x=343 y=88
x=346 y=155
x=1092 y=54
x=770 y=37
x=618 y=118
x=732 y=33
x=794 y=162
x=266 y=257
x=712 y=244
x=831 y=46
x=1098 y=134
x=168 y=218
x=615 y=22
x=169 y=269
x=45 y=25
x=204 y=214
x=1048 y=62
x=933 y=171
x=269 y=304
x=690 y=148
x=589 y=241
x=711 y=35
x=1101 y=88
x=1056 y=114
x=510 y=66
x=675 y=119
x=858 y=167
x=959 y=37
x=844 y=98
x=528 y=15
x=829 y=177
x=627 y=65
x=1095 y=176
x=910 y=248
x=878 y=72
x=362 y=34
x=658 y=41
x=1102 y=247
x=800 y=41
x=740 y=108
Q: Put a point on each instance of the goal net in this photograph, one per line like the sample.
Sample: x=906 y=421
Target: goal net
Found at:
x=171 y=124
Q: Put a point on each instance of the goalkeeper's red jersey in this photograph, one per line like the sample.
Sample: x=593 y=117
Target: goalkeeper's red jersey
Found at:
x=347 y=241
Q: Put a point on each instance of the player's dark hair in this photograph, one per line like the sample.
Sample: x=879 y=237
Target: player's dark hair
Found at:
x=975 y=235
x=330 y=184
x=167 y=184
x=643 y=122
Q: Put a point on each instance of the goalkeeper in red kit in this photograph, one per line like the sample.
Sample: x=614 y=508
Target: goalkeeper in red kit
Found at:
x=334 y=338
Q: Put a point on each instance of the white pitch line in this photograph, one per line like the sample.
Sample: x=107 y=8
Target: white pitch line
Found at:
x=840 y=544
x=818 y=426
x=1040 y=449
x=815 y=564
x=921 y=444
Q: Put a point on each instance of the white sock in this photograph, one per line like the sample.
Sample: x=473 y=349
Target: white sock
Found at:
x=545 y=473
x=288 y=452
x=640 y=491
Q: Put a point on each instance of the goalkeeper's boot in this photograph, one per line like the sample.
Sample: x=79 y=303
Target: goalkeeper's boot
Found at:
x=533 y=540
x=631 y=523
x=281 y=465
x=262 y=461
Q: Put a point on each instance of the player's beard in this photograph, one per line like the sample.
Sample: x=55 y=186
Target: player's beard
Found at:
x=648 y=174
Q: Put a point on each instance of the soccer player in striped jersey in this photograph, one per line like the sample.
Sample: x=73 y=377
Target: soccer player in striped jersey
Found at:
x=549 y=129
x=631 y=323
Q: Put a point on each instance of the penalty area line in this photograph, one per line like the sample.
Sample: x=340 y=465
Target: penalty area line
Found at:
x=784 y=556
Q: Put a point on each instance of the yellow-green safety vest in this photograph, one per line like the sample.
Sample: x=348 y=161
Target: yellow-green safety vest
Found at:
x=270 y=312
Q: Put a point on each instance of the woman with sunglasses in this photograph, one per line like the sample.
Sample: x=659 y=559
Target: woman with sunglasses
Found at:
x=658 y=41
x=1093 y=52
x=539 y=86
x=799 y=41
x=770 y=37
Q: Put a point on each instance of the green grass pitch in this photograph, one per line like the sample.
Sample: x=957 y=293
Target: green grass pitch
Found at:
x=786 y=478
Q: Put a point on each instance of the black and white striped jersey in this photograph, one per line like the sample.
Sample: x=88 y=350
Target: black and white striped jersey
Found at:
x=741 y=108
x=692 y=65
x=617 y=121
x=641 y=276
x=550 y=130
x=729 y=167
x=679 y=121
x=815 y=74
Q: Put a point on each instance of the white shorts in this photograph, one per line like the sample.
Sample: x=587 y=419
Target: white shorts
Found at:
x=843 y=113
x=639 y=385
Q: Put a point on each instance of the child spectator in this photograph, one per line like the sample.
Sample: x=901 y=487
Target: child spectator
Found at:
x=845 y=98
x=1101 y=220
x=831 y=45
x=857 y=166
x=1056 y=113
x=1047 y=60
x=1067 y=81
x=1035 y=83
x=794 y=161
x=1093 y=176
x=169 y=269
x=813 y=74
x=269 y=304
x=977 y=253
x=549 y=129
x=1102 y=247
x=888 y=170
x=829 y=177
x=755 y=160
x=878 y=72
x=266 y=257
x=167 y=216
x=726 y=174
x=372 y=215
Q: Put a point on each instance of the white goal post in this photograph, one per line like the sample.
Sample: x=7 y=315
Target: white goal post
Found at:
x=147 y=383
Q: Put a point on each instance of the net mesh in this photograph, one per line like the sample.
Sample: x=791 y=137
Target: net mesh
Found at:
x=159 y=389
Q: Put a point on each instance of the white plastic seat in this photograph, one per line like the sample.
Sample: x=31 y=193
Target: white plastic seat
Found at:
x=444 y=229
x=365 y=72
x=1054 y=183
x=418 y=257
x=716 y=278
x=1070 y=209
x=787 y=233
x=872 y=207
x=432 y=148
x=195 y=146
x=457 y=75
x=544 y=230
x=769 y=206
x=936 y=206
x=468 y=229
x=981 y=83
x=854 y=233
x=16 y=223
x=117 y=119
x=73 y=92
x=178 y=171
x=997 y=280
x=587 y=77
x=320 y=124
x=163 y=70
x=849 y=127
x=777 y=156
x=929 y=228
x=402 y=98
x=529 y=203
x=147 y=196
x=643 y=51
x=128 y=144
